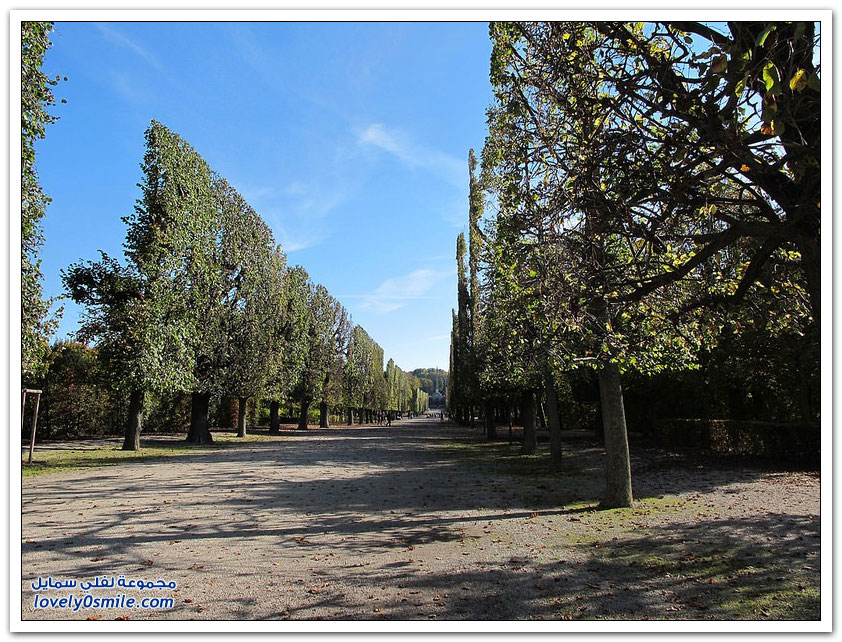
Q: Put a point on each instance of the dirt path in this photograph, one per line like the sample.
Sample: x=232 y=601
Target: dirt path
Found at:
x=406 y=523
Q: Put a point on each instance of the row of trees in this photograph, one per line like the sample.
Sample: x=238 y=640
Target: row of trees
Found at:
x=655 y=189
x=405 y=391
x=206 y=305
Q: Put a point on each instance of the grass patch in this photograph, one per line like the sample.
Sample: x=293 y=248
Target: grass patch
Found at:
x=56 y=461
x=666 y=505
x=792 y=603
x=502 y=458
x=721 y=578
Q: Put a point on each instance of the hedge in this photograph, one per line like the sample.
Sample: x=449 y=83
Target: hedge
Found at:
x=739 y=437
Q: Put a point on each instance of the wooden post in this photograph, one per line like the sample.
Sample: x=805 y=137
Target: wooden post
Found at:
x=37 y=394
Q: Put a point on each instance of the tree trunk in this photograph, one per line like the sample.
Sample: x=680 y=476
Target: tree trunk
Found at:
x=274 y=420
x=135 y=422
x=241 y=416
x=542 y=415
x=530 y=441
x=553 y=421
x=618 y=488
x=199 y=432
x=305 y=411
x=490 y=426
x=810 y=249
x=324 y=420
x=350 y=416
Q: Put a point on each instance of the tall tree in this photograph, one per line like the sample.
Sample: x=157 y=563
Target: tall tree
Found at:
x=327 y=332
x=338 y=337
x=291 y=364
x=148 y=317
x=36 y=97
x=475 y=210
x=119 y=319
x=460 y=341
x=172 y=238
x=561 y=196
x=717 y=130
x=252 y=292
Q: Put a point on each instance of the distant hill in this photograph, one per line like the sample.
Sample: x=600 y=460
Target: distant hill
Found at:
x=429 y=377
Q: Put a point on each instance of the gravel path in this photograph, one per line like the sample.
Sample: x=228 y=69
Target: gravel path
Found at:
x=370 y=523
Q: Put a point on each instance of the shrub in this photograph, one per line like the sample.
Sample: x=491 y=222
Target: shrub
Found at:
x=790 y=441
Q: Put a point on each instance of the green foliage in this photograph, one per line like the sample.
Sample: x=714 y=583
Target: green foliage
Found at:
x=599 y=250
x=432 y=380
x=327 y=337
x=646 y=194
x=74 y=402
x=36 y=97
x=460 y=384
x=113 y=317
x=364 y=383
x=710 y=149
x=291 y=361
x=251 y=294
x=206 y=303
x=404 y=392
x=153 y=319
x=173 y=240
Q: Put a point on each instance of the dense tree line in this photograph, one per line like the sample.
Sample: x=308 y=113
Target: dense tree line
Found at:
x=405 y=391
x=655 y=193
x=431 y=379
x=205 y=305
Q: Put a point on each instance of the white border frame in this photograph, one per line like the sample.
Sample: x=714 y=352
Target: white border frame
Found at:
x=549 y=12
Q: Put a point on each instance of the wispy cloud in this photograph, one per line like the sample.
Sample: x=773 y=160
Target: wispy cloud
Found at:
x=122 y=85
x=299 y=222
x=300 y=208
x=455 y=212
x=413 y=154
x=247 y=45
x=295 y=240
x=394 y=293
x=121 y=39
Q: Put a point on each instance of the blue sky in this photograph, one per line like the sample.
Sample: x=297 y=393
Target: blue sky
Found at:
x=350 y=140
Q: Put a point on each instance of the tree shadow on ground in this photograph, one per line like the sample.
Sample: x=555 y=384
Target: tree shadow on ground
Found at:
x=422 y=488
x=731 y=570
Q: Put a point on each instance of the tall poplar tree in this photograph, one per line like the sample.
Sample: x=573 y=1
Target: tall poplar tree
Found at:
x=36 y=97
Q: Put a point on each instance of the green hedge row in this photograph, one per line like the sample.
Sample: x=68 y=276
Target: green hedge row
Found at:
x=731 y=436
